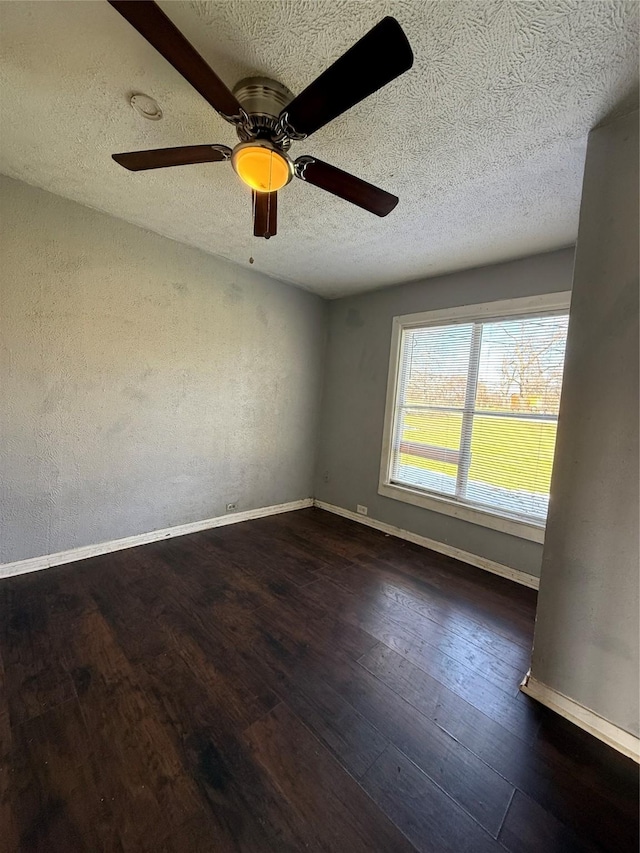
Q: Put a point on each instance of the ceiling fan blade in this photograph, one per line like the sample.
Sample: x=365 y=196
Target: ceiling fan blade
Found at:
x=158 y=158
x=378 y=58
x=265 y=214
x=152 y=23
x=345 y=186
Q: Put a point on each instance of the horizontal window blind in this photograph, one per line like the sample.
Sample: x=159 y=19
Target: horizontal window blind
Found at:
x=476 y=412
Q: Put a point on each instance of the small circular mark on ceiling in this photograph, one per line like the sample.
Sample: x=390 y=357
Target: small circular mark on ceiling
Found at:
x=146 y=106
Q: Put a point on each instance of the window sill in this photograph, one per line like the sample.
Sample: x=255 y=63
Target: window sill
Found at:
x=514 y=527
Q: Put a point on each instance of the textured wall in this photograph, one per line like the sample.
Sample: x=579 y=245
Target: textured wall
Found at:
x=483 y=140
x=356 y=385
x=586 y=641
x=143 y=384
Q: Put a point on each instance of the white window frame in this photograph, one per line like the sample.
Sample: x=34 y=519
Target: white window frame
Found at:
x=547 y=303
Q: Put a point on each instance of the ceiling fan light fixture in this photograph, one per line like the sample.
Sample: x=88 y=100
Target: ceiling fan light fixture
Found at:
x=261 y=165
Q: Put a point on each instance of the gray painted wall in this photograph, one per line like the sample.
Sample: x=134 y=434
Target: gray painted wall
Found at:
x=586 y=640
x=143 y=384
x=350 y=439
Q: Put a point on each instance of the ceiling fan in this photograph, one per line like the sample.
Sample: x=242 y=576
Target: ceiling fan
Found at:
x=268 y=118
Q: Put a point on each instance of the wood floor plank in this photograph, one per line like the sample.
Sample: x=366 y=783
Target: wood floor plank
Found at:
x=528 y=828
x=240 y=809
x=473 y=784
x=239 y=689
x=467 y=779
x=212 y=576
x=335 y=809
x=415 y=636
x=310 y=529
x=411 y=682
x=208 y=695
x=273 y=563
x=479 y=596
x=245 y=808
x=8 y=822
x=270 y=642
x=35 y=681
x=445 y=573
x=141 y=774
x=197 y=836
x=336 y=723
x=482 y=603
x=186 y=643
x=297 y=534
x=603 y=810
x=54 y=791
x=329 y=630
x=564 y=745
x=367 y=577
x=425 y=814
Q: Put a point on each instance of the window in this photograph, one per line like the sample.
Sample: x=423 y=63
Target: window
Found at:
x=472 y=411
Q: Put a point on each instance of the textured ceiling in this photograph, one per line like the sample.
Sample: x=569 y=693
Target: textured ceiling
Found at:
x=483 y=139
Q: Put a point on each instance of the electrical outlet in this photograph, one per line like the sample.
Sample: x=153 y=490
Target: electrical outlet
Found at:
x=231 y=507
x=362 y=510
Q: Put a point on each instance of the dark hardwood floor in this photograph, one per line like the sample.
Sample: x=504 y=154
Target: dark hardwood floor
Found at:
x=295 y=683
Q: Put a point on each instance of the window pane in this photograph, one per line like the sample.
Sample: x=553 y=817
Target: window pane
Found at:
x=426 y=454
x=521 y=365
x=511 y=460
x=498 y=451
x=434 y=365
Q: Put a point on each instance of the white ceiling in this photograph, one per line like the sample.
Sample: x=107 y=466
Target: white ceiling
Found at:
x=483 y=139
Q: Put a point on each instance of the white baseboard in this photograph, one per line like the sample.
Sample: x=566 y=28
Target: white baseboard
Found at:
x=472 y=559
x=35 y=564
x=585 y=718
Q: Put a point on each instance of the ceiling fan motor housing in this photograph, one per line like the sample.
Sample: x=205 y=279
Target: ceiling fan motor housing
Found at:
x=263 y=100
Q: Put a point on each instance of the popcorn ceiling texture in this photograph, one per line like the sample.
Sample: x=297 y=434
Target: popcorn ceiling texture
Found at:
x=483 y=140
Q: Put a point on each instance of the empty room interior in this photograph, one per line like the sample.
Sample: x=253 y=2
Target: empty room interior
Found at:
x=319 y=507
